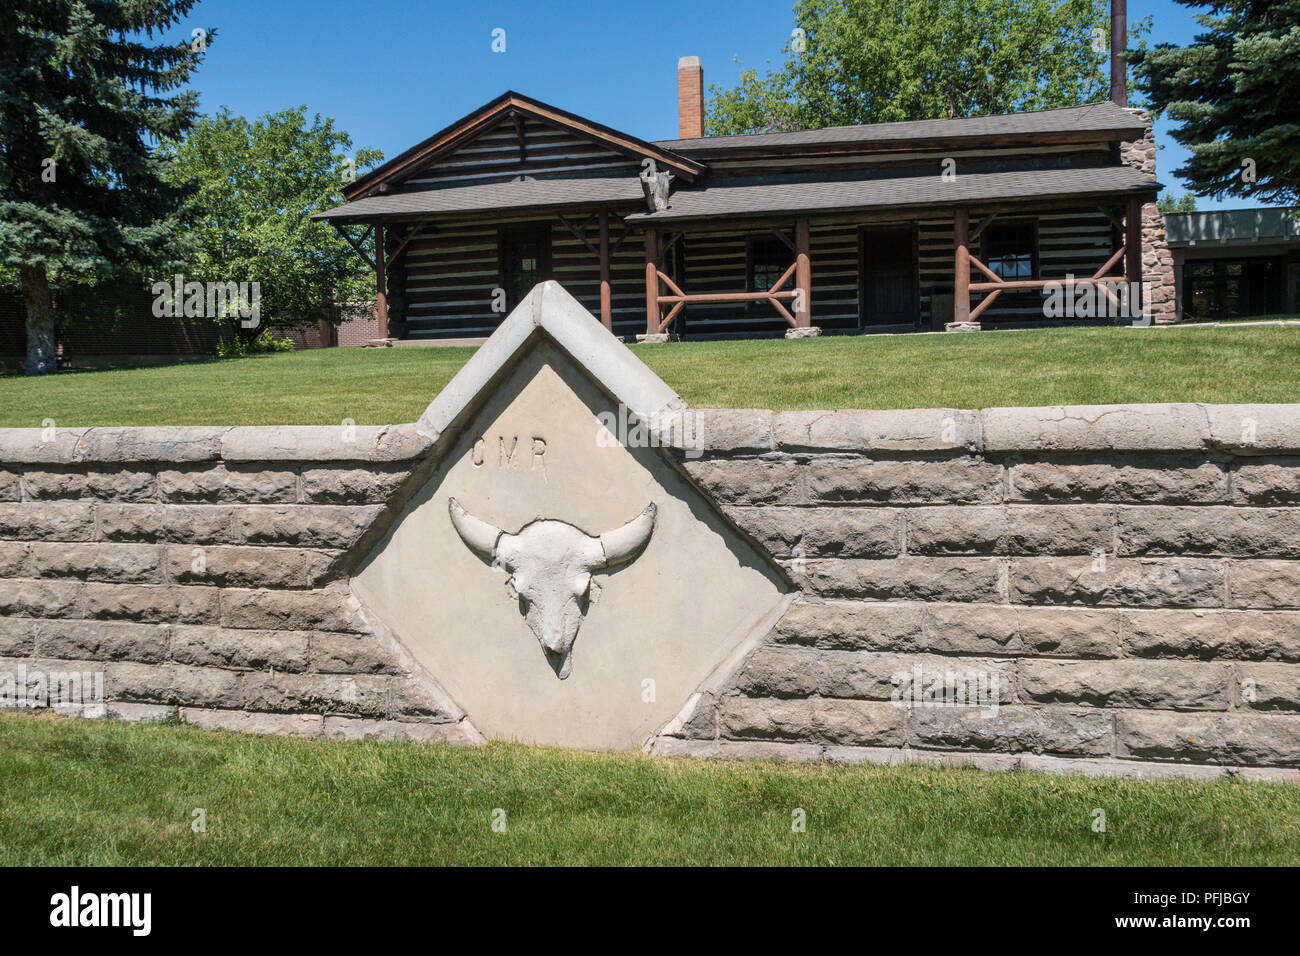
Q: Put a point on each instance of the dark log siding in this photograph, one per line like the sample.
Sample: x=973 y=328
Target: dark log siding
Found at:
x=450 y=275
x=493 y=157
x=450 y=278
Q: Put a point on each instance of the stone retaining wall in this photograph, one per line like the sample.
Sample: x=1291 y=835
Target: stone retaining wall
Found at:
x=1129 y=575
x=203 y=572
x=1126 y=580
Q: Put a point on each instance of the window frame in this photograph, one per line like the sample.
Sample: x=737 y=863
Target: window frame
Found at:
x=1029 y=225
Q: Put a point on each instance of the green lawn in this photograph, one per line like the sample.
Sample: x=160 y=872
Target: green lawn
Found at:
x=385 y=386
x=105 y=793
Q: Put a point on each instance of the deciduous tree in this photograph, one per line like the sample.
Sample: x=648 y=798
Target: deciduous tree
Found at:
x=256 y=183
x=876 y=61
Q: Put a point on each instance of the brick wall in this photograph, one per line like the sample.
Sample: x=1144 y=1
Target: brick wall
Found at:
x=1124 y=580
x=358 y=324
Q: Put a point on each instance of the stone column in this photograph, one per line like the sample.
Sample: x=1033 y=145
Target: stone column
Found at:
x=1157 y=261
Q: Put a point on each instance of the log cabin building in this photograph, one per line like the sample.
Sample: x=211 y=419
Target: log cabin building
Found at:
x=947 y=223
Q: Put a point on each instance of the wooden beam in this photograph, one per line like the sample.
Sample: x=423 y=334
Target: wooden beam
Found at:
x=984 y=224
x=581 y=234
x=606 y=310
x=619 y=241
x=651 y=281
x=785 y=277
x=406 y=241
x=987 y=301
x=519 y=133
x=993 y=276
x=716 y=297
x=1133 y=240
x=381 y=283
x=672 y=314
x=1015 y=285
x=358 y=244
x=802 y=274
x=781 y=234
x=961 y=265
x=1116 y=221
x=667 y=280
x=1110 y=263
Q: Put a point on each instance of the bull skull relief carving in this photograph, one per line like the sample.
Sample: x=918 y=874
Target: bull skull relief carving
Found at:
x=550 y=564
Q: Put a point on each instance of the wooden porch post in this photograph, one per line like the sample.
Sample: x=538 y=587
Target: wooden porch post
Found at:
x=961 y=267
x=651 y=281
x=381 y=283
x=1133 y=240
x=606 y=314
x=802 y=275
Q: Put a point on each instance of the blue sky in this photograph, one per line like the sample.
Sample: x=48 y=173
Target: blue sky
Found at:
x=392 y=73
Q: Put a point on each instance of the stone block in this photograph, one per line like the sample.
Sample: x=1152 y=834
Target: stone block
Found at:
x=906 y=579
x=1125 y=582
x=1166 y=685
x=1143 y=481
x=816 y=532
x=852 y=625
x=953 y=481
x=206 y=646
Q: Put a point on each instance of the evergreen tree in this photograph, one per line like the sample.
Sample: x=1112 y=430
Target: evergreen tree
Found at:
x=88 y=90
x=1236 y=93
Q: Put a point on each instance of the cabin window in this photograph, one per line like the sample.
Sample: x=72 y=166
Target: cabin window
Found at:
x=1011 y=250
x=769 y=258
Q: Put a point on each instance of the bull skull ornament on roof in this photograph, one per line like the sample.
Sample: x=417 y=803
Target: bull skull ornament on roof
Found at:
x=550 y=564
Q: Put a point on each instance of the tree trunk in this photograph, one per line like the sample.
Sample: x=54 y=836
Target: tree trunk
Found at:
x=41 y=359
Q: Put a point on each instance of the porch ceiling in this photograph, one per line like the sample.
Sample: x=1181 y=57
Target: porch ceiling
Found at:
x=493 y=198
x=899 y=192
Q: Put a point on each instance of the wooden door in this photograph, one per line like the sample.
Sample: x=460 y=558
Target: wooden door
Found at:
x=887 y=279
x=524 y=253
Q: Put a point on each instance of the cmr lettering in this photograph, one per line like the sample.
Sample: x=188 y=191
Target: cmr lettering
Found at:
x=511 y=453
x=75 y=909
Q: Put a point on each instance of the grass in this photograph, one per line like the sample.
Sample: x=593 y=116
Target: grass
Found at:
x=385 y=386
x=106 y=793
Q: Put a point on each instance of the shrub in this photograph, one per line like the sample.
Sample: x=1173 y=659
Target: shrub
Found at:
x=266 y=342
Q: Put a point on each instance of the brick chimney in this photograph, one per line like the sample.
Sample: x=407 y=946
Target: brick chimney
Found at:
x=690 y=98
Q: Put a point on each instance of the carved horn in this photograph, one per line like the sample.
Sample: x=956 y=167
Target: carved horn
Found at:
x=626 y=540
x=481 y=537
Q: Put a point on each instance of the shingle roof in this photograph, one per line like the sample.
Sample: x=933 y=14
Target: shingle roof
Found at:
x=1104 y=118
x=898 y=191
x=491 y=198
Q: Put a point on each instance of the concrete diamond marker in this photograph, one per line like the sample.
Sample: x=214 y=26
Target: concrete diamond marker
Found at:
x=595 y=537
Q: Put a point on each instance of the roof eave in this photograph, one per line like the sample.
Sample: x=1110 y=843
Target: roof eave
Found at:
x=450 y=137
x=971 y=141
x=974 y=204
